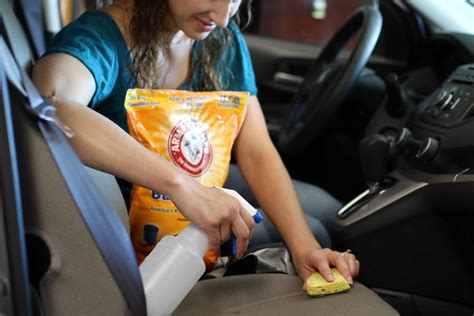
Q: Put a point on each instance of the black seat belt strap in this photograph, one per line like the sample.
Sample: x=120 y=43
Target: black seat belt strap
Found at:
x=105 y=227
x=14 y=281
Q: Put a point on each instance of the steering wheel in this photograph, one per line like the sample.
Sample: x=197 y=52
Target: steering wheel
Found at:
x=328 y=82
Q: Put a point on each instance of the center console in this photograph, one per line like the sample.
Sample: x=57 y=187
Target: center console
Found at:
x=432 y=134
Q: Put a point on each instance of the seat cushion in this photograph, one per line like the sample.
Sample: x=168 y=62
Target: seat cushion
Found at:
x=276 y=294
x=108 y=186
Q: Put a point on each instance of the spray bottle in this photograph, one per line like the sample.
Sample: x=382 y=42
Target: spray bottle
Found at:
x=176 y=263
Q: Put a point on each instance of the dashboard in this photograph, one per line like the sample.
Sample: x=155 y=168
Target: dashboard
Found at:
x=452 y=104
x=435 y=133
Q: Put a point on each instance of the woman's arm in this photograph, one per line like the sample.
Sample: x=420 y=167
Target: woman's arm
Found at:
x=99 y=142
x=268 y=179
x=103 y=145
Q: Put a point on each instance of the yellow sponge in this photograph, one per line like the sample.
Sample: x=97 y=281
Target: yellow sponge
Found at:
x=316 y=285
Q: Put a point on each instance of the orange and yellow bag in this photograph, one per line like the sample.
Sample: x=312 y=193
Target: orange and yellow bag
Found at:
x=193 y=130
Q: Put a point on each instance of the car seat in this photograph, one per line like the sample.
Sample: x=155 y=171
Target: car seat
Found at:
x=71 y=274
x=66 y=266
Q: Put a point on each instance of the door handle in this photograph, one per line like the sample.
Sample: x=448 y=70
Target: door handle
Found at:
x=288 y=79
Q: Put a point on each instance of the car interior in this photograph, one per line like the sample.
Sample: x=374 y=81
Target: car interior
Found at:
x=380 y=116
x=404 y=129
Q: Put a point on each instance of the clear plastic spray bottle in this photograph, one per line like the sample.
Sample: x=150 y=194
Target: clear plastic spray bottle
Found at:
x=176 y=263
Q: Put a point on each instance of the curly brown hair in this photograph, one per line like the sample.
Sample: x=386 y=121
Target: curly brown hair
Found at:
x=147 y=26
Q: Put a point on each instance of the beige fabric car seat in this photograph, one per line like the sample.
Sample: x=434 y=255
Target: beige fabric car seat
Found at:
x=76 y=280
x=276 y=294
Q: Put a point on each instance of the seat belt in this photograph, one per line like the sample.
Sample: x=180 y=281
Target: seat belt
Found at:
x=31 y=16
x=14 y=281
x=113 y=243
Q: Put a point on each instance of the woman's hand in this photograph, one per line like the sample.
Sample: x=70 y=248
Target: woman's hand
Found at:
x=310 y=260
x=217 y=213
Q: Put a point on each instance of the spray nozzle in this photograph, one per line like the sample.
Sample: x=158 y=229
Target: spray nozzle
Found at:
x=230 y=246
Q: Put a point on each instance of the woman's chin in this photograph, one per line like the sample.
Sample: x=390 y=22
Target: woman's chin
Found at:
x=201 y=36
x=197 y=36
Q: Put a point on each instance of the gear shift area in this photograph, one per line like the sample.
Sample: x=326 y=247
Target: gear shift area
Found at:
x=374 y=154
x=375 y=151
x=374 y=157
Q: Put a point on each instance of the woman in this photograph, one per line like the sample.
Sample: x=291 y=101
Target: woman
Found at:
x=175 y=44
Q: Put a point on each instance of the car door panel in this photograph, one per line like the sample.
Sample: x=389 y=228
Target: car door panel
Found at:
x=280 y=67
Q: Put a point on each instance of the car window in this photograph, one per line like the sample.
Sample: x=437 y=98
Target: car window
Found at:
x=311 y=22
x=447 y=16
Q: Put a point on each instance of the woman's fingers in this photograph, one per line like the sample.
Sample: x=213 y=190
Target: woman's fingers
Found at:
x=352 y=262
x=242 y=234
x=225 y=232
x=216 y=213
x=231 y=219
x=325 y=270
x=249 y=221
x=343 y=266
x=214 y=239
x=240 y=224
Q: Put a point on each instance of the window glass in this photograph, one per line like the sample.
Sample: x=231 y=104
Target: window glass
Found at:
x=308 y=21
